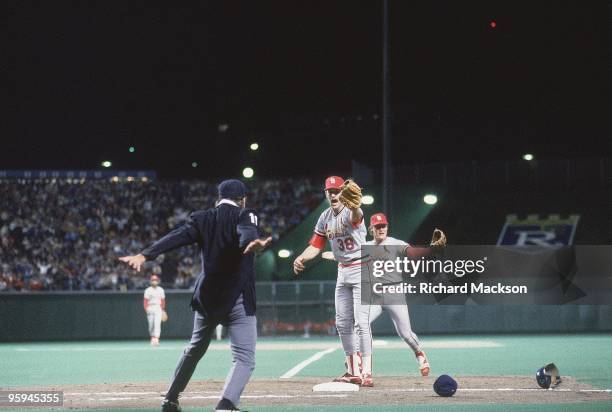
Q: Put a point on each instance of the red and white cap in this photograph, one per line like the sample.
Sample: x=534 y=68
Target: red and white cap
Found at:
x=154 y=277
x=333 y=182
x=378 y=219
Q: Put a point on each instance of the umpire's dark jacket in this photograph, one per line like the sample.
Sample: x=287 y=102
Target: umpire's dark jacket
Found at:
x=222 y=233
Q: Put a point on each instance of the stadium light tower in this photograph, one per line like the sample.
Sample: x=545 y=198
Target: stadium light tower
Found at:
x=528 y=156
x=254 y=146
x=106 y=163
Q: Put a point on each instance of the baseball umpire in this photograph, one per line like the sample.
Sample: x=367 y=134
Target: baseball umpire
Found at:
x=224 y=291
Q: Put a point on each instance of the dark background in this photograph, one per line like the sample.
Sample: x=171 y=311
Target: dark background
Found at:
x=85 y=80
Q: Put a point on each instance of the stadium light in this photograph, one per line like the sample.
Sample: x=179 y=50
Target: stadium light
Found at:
x=194 y=164
x=254 y=146
x=106 y=163
x=367 y=200
x=248 y=172
x=528 y=157
x=430 y=199
x=132 y=149
x=284 y=253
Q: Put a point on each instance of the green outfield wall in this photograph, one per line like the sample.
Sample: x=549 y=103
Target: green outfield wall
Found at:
x=105 y=315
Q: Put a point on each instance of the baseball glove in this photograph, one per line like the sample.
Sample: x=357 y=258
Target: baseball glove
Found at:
x=350 y=194
x=438 y=238
x=164 y=316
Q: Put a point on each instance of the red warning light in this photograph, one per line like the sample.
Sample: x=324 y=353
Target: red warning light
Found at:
x=493 y=24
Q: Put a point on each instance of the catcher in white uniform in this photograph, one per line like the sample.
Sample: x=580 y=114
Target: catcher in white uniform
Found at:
x=155 y=307
x=342 y=225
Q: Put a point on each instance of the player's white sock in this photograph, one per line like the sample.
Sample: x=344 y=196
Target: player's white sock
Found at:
x=352 y=363
x=366 y=364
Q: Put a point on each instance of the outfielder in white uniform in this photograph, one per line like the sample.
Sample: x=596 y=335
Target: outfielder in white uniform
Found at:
x=345 y=230
x=154 y=306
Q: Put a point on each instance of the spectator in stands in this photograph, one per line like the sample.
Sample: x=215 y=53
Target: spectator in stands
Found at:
x=65 y=234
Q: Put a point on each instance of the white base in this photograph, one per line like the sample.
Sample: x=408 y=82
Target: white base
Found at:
x=335 y=387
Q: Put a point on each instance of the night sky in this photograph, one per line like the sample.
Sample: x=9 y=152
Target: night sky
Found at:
x=87 y=80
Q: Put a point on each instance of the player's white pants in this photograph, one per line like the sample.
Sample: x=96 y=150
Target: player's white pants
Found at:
x=154 y=316
x=350 y=320
x=401 y=320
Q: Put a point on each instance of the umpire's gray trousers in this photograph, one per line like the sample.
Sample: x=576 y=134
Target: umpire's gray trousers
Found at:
x=243 y=336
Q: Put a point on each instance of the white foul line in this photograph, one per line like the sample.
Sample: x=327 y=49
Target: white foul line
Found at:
x=294 y=371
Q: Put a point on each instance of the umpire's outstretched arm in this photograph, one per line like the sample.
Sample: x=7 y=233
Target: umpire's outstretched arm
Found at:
x=184 y=235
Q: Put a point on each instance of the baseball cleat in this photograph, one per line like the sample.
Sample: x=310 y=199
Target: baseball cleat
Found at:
x=367 y=380
x=423 y=363
x=225 y=405
x=348 y=378
x=170 y=406
x=154 y=341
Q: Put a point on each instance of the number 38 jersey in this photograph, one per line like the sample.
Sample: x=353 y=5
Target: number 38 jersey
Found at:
x=345 y=237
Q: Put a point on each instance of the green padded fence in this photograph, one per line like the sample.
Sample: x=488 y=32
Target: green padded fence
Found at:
x=283 y=308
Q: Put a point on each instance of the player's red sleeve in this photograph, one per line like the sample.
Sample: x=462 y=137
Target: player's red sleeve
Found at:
x=356 y=225
x=163 y=304
x=317 y=241
x=146 y=304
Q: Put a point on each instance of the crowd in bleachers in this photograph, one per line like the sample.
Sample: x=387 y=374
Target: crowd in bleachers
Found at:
x=67 y=234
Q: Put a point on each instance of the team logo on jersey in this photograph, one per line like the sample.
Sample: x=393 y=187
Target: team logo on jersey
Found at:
x=339 y=230
x=551 y=231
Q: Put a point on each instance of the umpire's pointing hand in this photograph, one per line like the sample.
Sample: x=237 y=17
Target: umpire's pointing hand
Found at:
x=135 y=262
x=257 y=245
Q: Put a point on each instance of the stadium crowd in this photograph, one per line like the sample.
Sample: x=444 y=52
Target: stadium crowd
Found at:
x=67 y=234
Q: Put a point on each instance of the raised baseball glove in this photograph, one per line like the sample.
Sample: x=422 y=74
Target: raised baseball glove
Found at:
x=164 y=316
x=438 y=238
x=350 y=194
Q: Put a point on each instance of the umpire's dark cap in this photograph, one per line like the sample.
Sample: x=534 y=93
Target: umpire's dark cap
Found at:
x=232 y=189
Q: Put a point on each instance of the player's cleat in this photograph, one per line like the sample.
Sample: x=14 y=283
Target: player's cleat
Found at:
x=423 y=363
x=367 y=380
x=225 y=405
x=154 y=341
x=170 y=406
x=348 y=378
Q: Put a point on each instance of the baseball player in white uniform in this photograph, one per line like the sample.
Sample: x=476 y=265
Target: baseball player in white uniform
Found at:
x=154 y=306
x=345 y=230
x=379 y=227
x=399 y=313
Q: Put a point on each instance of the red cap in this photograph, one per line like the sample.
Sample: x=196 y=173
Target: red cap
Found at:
x=378 y=219
x=333 y=182
x=154 y=277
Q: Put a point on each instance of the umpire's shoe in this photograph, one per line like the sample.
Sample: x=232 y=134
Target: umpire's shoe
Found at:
x=225 y=405
x=170 y=406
